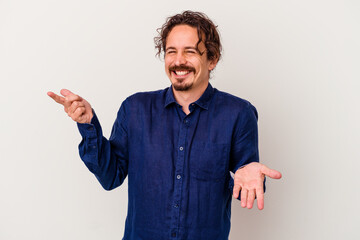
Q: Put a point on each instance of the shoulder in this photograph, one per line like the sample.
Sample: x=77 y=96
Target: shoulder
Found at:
x=232 y=103
x=144 y=102
x=146 y=96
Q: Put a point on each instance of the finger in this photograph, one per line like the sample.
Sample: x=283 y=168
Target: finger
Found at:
x=236 y=190
x=73 y=97
x=250 y=199
x=244 y=193
x=270 y=172
x=69 y=97
x=74 y=105
x=65 y=92
x=57 y=98
x=76 y=116
x=260 y=197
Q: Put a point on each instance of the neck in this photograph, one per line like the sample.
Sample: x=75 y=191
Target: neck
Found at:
x=185 y=98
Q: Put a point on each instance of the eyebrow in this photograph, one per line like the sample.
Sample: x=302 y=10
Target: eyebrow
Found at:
x=169 y=48
x=173 y=48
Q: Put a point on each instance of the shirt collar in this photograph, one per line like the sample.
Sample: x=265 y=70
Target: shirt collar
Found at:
x=169 y=97
x=202 y=102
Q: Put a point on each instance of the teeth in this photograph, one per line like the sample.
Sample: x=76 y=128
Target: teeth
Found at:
x=181 y=73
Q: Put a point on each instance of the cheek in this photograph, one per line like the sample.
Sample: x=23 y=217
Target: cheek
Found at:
x=167 y=63
x=166 y=68
x=198 y=63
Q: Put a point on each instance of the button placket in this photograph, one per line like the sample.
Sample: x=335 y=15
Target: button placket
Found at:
x=179 y=168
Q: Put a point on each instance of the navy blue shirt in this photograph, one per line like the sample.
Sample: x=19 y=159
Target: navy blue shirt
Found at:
x=178 y=165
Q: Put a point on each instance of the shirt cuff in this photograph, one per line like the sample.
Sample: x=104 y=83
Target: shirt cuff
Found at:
x=89 y=130
x=89 y=146
x=241 y=166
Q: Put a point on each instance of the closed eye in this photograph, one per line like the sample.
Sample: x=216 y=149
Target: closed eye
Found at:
x=191 y=51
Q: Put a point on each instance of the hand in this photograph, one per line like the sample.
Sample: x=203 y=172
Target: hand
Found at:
x=249 y=180
x=75 y=106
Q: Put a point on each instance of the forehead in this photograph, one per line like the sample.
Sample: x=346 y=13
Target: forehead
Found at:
x=182 y=35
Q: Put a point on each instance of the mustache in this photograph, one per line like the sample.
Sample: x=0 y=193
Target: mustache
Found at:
x=181 y=67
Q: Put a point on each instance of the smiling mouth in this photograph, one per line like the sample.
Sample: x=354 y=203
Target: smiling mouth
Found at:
x=181 y=73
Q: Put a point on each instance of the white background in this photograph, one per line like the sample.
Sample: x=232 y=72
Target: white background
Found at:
x=296 y=61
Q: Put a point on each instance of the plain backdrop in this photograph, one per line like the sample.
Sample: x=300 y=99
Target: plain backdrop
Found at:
x=296 y=61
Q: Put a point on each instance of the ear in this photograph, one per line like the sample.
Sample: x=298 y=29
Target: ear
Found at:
x=213 y=63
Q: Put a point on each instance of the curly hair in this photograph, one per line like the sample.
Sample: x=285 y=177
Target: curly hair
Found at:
x=205 y=28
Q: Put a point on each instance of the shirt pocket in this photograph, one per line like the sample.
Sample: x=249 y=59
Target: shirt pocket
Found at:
x=209 y=161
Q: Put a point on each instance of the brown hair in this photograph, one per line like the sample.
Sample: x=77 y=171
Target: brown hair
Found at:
x=204 y=27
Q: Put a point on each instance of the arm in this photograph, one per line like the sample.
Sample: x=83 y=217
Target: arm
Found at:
x=249 y=173
x=107 y=159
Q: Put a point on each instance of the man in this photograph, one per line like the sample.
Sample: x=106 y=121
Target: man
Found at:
x=177 y=145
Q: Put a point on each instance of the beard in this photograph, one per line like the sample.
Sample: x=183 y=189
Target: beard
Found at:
x=179 y=86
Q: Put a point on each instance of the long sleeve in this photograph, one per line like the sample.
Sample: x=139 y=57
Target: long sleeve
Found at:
x=245 y=143
x=106 y=159
x=245 y=150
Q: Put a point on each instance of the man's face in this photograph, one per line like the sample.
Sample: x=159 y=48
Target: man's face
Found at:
x=185 y=67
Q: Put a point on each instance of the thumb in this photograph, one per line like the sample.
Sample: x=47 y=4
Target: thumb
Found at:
x=270 y=172
x=65 y=92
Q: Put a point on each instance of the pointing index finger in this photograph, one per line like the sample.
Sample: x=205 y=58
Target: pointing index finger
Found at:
x=57 y=98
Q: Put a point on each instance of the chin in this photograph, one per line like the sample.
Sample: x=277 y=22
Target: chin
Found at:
x=182 y=87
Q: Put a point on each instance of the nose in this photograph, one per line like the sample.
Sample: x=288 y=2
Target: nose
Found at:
x=180 y=59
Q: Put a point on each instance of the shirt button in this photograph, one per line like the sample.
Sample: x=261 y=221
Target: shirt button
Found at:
x=176 y=205
x=91 y=128
x=94 y=146
x=173 y=234
x=181 y=148
x=186 y=121
x=178 y=176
